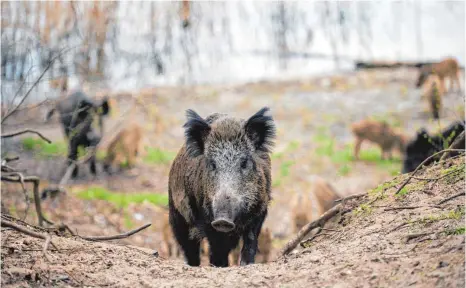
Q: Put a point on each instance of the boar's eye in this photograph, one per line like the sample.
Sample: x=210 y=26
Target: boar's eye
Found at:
x=244 y=163
x=212 y=165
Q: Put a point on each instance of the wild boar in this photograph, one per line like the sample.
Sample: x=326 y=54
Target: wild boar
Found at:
x=324 y=195
x=426 y=145
x=264 y=248
x=126 y=145
x=433 y=93
x=447 y=68
x=77 y=114
x=220 y=185
x=380 y=133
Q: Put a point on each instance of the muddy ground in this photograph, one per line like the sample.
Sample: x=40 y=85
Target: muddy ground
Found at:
x=312 y=117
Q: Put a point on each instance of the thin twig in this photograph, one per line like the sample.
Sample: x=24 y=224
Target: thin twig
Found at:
x=350 y=197
x=409 y=207
x=35 y=181
x=438 y=178
x=25 y=192
x=114 y=237
x=420 y=165
x=46 y=237
x=26 y=131
x=306 y=242
x=456 y=144
x=308 y=227
x=417 y=235
x=452 y=197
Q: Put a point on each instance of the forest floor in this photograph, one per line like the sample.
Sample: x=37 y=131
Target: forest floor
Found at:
x=312 y=116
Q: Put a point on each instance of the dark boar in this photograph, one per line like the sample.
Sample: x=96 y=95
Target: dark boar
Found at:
x=425 y=145
x=77 y=114
x=219 y=185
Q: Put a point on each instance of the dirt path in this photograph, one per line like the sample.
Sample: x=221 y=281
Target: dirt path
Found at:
x=365 y=248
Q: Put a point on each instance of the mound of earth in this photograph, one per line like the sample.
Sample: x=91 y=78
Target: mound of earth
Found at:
x=414 y=238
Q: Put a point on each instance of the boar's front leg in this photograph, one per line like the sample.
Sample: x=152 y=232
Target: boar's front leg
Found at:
x=250 y=237
x=191 y=247
x=220 y=246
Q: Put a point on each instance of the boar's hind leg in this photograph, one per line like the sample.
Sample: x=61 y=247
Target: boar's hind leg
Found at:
x=250 y=237
x=191 y=247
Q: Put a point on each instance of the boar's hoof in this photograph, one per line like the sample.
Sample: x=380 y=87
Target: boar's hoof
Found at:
x=223 y=225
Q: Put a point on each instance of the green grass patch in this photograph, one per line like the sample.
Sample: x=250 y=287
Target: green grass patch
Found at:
x=454 y=214
x=43 y=148
x=122 y=200
x=344 y=170
x=403 y=192
x=457 y=231
x=127 y=221
x=158 y=156
x=285 y=168
x=276 y=183
x=363 y=209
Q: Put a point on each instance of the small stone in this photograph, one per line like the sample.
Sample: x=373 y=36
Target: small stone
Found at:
x=416 y=263
x=442 y=264
x=155 y=253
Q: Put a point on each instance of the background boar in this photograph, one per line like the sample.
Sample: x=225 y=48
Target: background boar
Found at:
x=310 y=205
x=219 y=185
x=425 y=145
x=447 y=68
x=378 y=132
x=264 y=248
x=125 y=146
x=77 y=112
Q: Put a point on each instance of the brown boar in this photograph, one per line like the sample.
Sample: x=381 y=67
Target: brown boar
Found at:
x=125 y=146
x=447 y=68
x=169 y=238
x=322 y=193
x=264 y=248
x=433 y=93
x=220 y=184
x=380 y=133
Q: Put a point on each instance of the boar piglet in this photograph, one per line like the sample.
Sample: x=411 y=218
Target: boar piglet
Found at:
x=219 y=185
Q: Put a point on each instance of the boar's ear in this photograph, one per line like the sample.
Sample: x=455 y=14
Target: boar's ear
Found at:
x=196 y=129
x=261 y=130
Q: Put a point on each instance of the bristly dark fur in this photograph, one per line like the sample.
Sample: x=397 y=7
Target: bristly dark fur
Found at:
x=261 y=130
x=196 y=129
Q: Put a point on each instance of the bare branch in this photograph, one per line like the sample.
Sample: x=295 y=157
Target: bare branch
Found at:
x=306 y=229
x=114 y=237
x=452 y=197
x=457 y=144
x=26 y=131
x=47 y=238
x=351 y=197
x=35 y=181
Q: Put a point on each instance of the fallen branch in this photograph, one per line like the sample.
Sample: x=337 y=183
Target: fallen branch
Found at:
x=417 y=235
x=438 y=178
x=409 y=207
x=457 y=144
x=46 y=237
x=423 y=162
x=23 y=187
x=351 y=197
x=35 y=181
x=26 y=131
x=452 y=197
x=308 y=227
x=114 y=237
x=305 y=243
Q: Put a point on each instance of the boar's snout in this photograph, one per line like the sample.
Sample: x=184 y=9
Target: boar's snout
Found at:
x=223 y=225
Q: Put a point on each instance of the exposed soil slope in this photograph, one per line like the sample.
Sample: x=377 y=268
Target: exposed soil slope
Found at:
x=367 y=247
